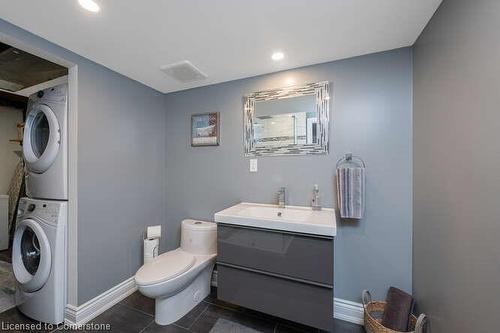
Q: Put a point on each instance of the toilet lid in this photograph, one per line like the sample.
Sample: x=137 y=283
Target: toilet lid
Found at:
x=164 y=267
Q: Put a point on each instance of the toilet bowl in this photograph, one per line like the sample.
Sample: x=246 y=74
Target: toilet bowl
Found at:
x=180 y=279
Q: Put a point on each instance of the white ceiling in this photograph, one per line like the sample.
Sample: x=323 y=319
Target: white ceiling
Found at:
x=225 y=39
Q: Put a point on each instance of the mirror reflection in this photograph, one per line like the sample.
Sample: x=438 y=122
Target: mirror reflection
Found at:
x=286 y=121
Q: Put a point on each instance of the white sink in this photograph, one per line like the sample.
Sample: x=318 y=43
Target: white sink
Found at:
x=292 y=218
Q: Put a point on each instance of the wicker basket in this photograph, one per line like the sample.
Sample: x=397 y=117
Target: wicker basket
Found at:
x=373 y=325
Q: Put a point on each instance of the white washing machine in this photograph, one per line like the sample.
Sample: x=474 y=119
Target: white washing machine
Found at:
x=45 y=144
x=39 y=259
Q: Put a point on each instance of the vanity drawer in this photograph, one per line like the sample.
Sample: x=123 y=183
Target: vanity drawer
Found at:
x=295 y=255
x=300 y=302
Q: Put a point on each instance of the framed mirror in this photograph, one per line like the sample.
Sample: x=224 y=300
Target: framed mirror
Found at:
x=287 y=121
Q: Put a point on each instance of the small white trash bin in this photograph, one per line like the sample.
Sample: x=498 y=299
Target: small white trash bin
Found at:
x=4 y=222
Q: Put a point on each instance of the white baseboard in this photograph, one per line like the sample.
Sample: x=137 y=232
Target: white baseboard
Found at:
x=348 y=311
x=79 y=315
x=213 y=282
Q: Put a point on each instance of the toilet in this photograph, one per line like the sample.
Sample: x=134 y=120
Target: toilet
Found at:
x=180 y=279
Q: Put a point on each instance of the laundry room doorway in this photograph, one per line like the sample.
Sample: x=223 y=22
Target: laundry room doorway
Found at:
x=12 y=113
x=31 y=133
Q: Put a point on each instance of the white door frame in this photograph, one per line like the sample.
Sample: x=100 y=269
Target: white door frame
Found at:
x=72 y=235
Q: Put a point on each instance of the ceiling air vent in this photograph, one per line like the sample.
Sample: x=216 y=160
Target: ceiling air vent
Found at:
x=184 y=72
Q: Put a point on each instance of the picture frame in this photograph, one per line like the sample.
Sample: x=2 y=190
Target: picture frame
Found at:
x=205 y=129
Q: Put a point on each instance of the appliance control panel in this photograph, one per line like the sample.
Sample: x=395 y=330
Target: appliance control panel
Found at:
x=55 y=94
x=47 y=211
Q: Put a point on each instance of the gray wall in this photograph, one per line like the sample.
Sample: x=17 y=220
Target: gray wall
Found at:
x=121 y=176
x=121 y=168
x=9 y=117
x=456 y=157
x=371 y=116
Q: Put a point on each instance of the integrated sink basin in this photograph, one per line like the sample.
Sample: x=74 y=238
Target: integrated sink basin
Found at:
x=291 y=218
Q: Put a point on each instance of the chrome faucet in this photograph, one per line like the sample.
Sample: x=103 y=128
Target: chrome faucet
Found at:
x=282 y=197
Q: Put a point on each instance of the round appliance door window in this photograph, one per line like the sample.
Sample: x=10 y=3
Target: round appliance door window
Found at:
x=31 y=256
x=42 y=138
x=40 y=133
x=30 y=251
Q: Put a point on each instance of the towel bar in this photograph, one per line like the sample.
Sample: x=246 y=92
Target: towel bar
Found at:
x=350 y=158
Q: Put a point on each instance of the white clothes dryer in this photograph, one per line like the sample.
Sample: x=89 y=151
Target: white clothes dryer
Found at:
x=45 y=144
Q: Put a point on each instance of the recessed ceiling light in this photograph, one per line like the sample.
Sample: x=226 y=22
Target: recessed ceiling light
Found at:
x=277 y=56
x=89 y=5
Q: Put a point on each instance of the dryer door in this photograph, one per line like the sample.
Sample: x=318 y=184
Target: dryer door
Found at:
x=42 y=138
x=31 y=256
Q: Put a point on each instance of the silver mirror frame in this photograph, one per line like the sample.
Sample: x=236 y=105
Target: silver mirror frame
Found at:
x=322 y=92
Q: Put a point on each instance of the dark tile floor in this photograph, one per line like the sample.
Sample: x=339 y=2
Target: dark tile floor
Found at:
x=135 y=314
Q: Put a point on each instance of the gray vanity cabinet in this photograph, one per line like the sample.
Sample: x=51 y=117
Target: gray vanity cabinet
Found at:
x=284 y=274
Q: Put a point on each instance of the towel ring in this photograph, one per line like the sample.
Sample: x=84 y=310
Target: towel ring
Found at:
x=350 y=158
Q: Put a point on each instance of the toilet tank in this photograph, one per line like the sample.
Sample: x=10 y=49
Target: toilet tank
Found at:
x=199 y=237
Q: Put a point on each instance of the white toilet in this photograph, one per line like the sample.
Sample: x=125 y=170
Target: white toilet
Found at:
x=180 y=279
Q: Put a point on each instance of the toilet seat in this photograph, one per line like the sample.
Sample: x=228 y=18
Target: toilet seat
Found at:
x=165 y=267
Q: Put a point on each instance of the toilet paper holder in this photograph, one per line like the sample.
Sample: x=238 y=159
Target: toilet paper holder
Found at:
x=153 y=232
x=151 y=242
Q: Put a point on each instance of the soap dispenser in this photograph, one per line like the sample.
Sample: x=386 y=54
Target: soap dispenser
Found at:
x=315 y=203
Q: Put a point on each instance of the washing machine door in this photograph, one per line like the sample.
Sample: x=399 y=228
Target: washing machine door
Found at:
x=42 y=138
x=31 y=256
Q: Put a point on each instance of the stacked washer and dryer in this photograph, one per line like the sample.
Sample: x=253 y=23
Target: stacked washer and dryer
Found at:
x=39 y=247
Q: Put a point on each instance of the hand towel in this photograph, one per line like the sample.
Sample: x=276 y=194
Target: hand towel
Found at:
x=351 y=192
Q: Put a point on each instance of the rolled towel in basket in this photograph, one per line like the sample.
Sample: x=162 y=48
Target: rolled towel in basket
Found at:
x=351 y=192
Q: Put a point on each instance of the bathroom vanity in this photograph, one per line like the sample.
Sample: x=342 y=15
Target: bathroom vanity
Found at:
x=278 y=261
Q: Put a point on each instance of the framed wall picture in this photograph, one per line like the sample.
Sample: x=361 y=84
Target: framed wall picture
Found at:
x=205 y=129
